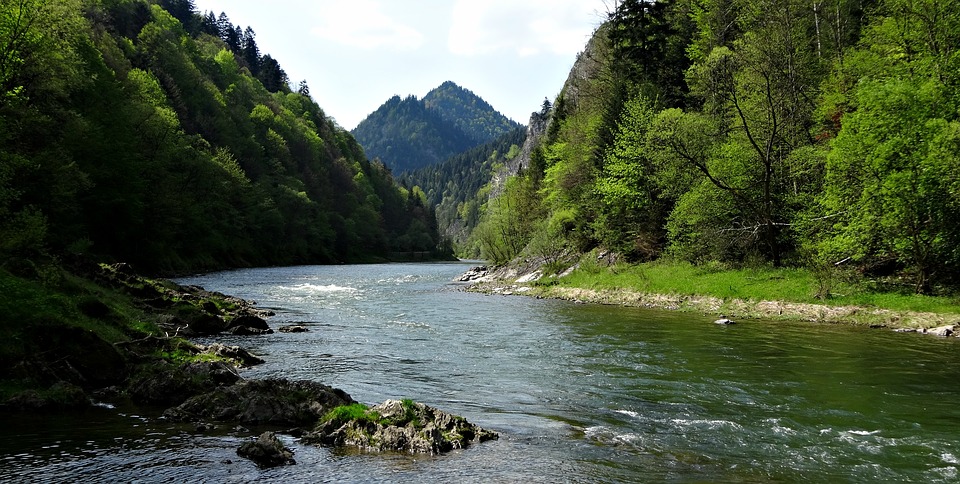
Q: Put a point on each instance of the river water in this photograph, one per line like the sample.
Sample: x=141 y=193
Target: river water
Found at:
x=578 y=393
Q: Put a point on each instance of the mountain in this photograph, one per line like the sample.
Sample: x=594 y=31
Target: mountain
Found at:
x=409 y=133
x=468 y=112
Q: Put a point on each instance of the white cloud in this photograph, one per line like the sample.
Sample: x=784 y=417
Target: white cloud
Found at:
x=363 y=24
x=533 y=27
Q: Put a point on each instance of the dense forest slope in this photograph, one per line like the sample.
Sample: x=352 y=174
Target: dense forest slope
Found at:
x=145 y=132
x=458 y=186
x=778 y=132
x=410 y=133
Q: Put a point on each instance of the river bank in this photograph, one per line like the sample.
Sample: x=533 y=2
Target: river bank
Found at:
x=103 y=336
x=530 y=281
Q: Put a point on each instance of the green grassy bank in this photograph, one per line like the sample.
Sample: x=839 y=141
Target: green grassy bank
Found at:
x=753 y=292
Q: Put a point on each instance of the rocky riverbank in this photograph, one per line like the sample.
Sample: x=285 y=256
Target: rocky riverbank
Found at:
x=151 y=363
x=529 y=281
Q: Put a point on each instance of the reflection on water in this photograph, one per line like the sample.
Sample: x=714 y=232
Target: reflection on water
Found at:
x=578 y=393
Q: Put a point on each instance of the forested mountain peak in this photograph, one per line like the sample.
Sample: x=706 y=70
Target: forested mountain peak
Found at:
x=469 y=112
x=409 y=133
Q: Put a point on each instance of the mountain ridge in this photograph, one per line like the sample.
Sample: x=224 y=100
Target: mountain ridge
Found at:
x=410 y=133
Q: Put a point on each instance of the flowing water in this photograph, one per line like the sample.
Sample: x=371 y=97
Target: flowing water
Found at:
x=578 y=393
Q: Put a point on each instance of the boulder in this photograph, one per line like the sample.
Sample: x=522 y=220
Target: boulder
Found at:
x=171 y=386
x=473 y=274
x=272 y=401
x=724 y=321
x=266 y=451
x=249 y=321
x=205 y=324
x=235 y=353
x=293 y=329
x=60 y=396
x=399 y=426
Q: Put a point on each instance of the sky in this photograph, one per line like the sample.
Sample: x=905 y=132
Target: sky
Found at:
x=356 y=54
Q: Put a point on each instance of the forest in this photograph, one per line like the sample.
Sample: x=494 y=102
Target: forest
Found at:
x=408 y=134
x=150 y=133
x=818 y=134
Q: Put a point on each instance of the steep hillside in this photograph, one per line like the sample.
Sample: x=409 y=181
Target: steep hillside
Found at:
x=735 y=134
x=410 y=133
x=458 y=186
x=164 y=138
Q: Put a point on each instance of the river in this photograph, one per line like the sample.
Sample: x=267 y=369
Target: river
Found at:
x=578 y=393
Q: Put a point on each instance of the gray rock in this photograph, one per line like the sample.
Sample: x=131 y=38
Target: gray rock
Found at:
x=293 y=329
x=400 y=426
x=942 y=331
x=266 y=451
x=473 y=274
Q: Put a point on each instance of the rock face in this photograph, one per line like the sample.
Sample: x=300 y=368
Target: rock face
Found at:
x=275 y=401
x=266 y=451
x=400 y=426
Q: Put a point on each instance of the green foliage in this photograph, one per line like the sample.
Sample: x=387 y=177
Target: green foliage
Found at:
x=508 y=222
x=800 y=134
x=133 y=130
x=455 y=186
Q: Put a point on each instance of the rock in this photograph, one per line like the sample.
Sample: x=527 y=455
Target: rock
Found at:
x=60 y=396
x=267 y=451
x=905 y=330
x=395 y=425
x=210 y=307
x=172 y=386
x=724 y=321
x=473 y=274
x=247 y=331
x=276 y=402
x=249 y=321
x=236 y=353
x=942 y=331
x=531 y=277
x=206 y=324
x=293 y=329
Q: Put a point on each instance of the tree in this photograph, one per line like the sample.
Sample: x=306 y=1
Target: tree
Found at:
x=892 y=190
x=893 y=180
x=760 y=95
x=632 y=210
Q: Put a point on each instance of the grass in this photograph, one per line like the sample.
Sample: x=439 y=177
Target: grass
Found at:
x=348 y=413
x=753 y=284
